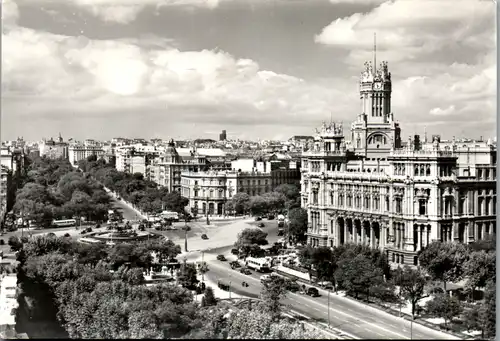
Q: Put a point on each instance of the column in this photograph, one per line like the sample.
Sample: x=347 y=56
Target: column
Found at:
x=428 y=238
x=346 y=232
x=419 y=237
x=470 y=231
x=398 y=238
x=363 y=233
x=354 y=232
x=372 y=236
x=455 y=231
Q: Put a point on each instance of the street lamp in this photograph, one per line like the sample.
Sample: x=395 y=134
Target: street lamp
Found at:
x=207 y=212
x=328 y=308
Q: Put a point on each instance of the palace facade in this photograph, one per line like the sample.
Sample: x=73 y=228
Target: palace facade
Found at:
x=376 y=191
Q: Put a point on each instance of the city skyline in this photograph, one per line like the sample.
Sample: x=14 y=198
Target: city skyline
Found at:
x=191 y=68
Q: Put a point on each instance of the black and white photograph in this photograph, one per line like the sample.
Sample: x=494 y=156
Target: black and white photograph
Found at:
x=248 y=169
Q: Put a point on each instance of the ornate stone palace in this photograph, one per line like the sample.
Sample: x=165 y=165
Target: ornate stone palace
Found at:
x=376 y=191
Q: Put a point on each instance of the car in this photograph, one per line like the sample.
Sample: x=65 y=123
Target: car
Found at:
x=270 y=217
x=326 y=285
x=292 y=286
x=235 y=264
x=258 y=218
x=313 y=292
x=204 y=236
x=221 y=258
x=246 y=271
x=265 y=278
x=235 y=251
x=261 y=225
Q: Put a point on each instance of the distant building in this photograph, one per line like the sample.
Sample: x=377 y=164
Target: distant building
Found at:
x=223 y=136
x=210 y=190
x=167 y=168
x=54 y=149
x=5 y=187
x=301 y=141
x=393 y=196
x=8 y=304
x=77 y=151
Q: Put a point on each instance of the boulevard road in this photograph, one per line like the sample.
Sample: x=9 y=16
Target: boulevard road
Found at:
x=355 y=318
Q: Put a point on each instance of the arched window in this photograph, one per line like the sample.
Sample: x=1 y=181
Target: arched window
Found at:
x=422 y=170
x=428 y=170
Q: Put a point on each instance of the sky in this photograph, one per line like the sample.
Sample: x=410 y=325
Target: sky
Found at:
x=260 y=69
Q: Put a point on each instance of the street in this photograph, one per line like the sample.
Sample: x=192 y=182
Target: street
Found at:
x=352 y=317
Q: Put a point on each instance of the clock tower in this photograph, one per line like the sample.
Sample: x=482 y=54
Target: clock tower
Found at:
x=374 y=132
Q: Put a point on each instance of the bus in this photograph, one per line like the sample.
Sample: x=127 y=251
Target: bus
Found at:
x=169 y=215
x=64 y=223
x=258 y=264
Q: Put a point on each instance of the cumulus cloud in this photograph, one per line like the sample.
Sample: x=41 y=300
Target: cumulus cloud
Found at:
x=443 y=112
x=57 y=74
x=411 y=29
x=125 y=11
x=10 y=12
x=441 y=54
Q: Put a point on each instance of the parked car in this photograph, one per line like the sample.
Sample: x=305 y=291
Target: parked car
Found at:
x=221 y=258
x=265 y=278
x=326 y=285
x=235 y=252
x=270 y=217
x=261 y=225
x=204 y=236
x=292 y=286
x=258 y=218
x=313 y=292
x=246 y=271
x=235 y=264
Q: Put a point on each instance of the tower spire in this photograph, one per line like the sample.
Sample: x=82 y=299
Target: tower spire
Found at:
x=374 y=52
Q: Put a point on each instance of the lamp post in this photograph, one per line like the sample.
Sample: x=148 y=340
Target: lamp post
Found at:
x=207 y=212
x=328 y=308
x=411 y=326
x=185 y=239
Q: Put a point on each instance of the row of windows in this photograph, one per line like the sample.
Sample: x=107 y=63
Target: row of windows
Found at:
x=315 y=166
x=446 y=170
x=484 y=174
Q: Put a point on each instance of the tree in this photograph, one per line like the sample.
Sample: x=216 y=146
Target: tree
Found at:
x=479 y=268
x=275 y=201
x=209 y=297
x=250 y=238
x=291 y=192
x=297 y=226
x=319 y=259
x=186 y=276
x=411 y=283
x=175 y=202
x=487 y=311
x=444 y=261
x=15 y=243
x=258 y=205
x=240 y=202
x=273 y=291
x=442 y=305
x=358 y=275
x=255 y=324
